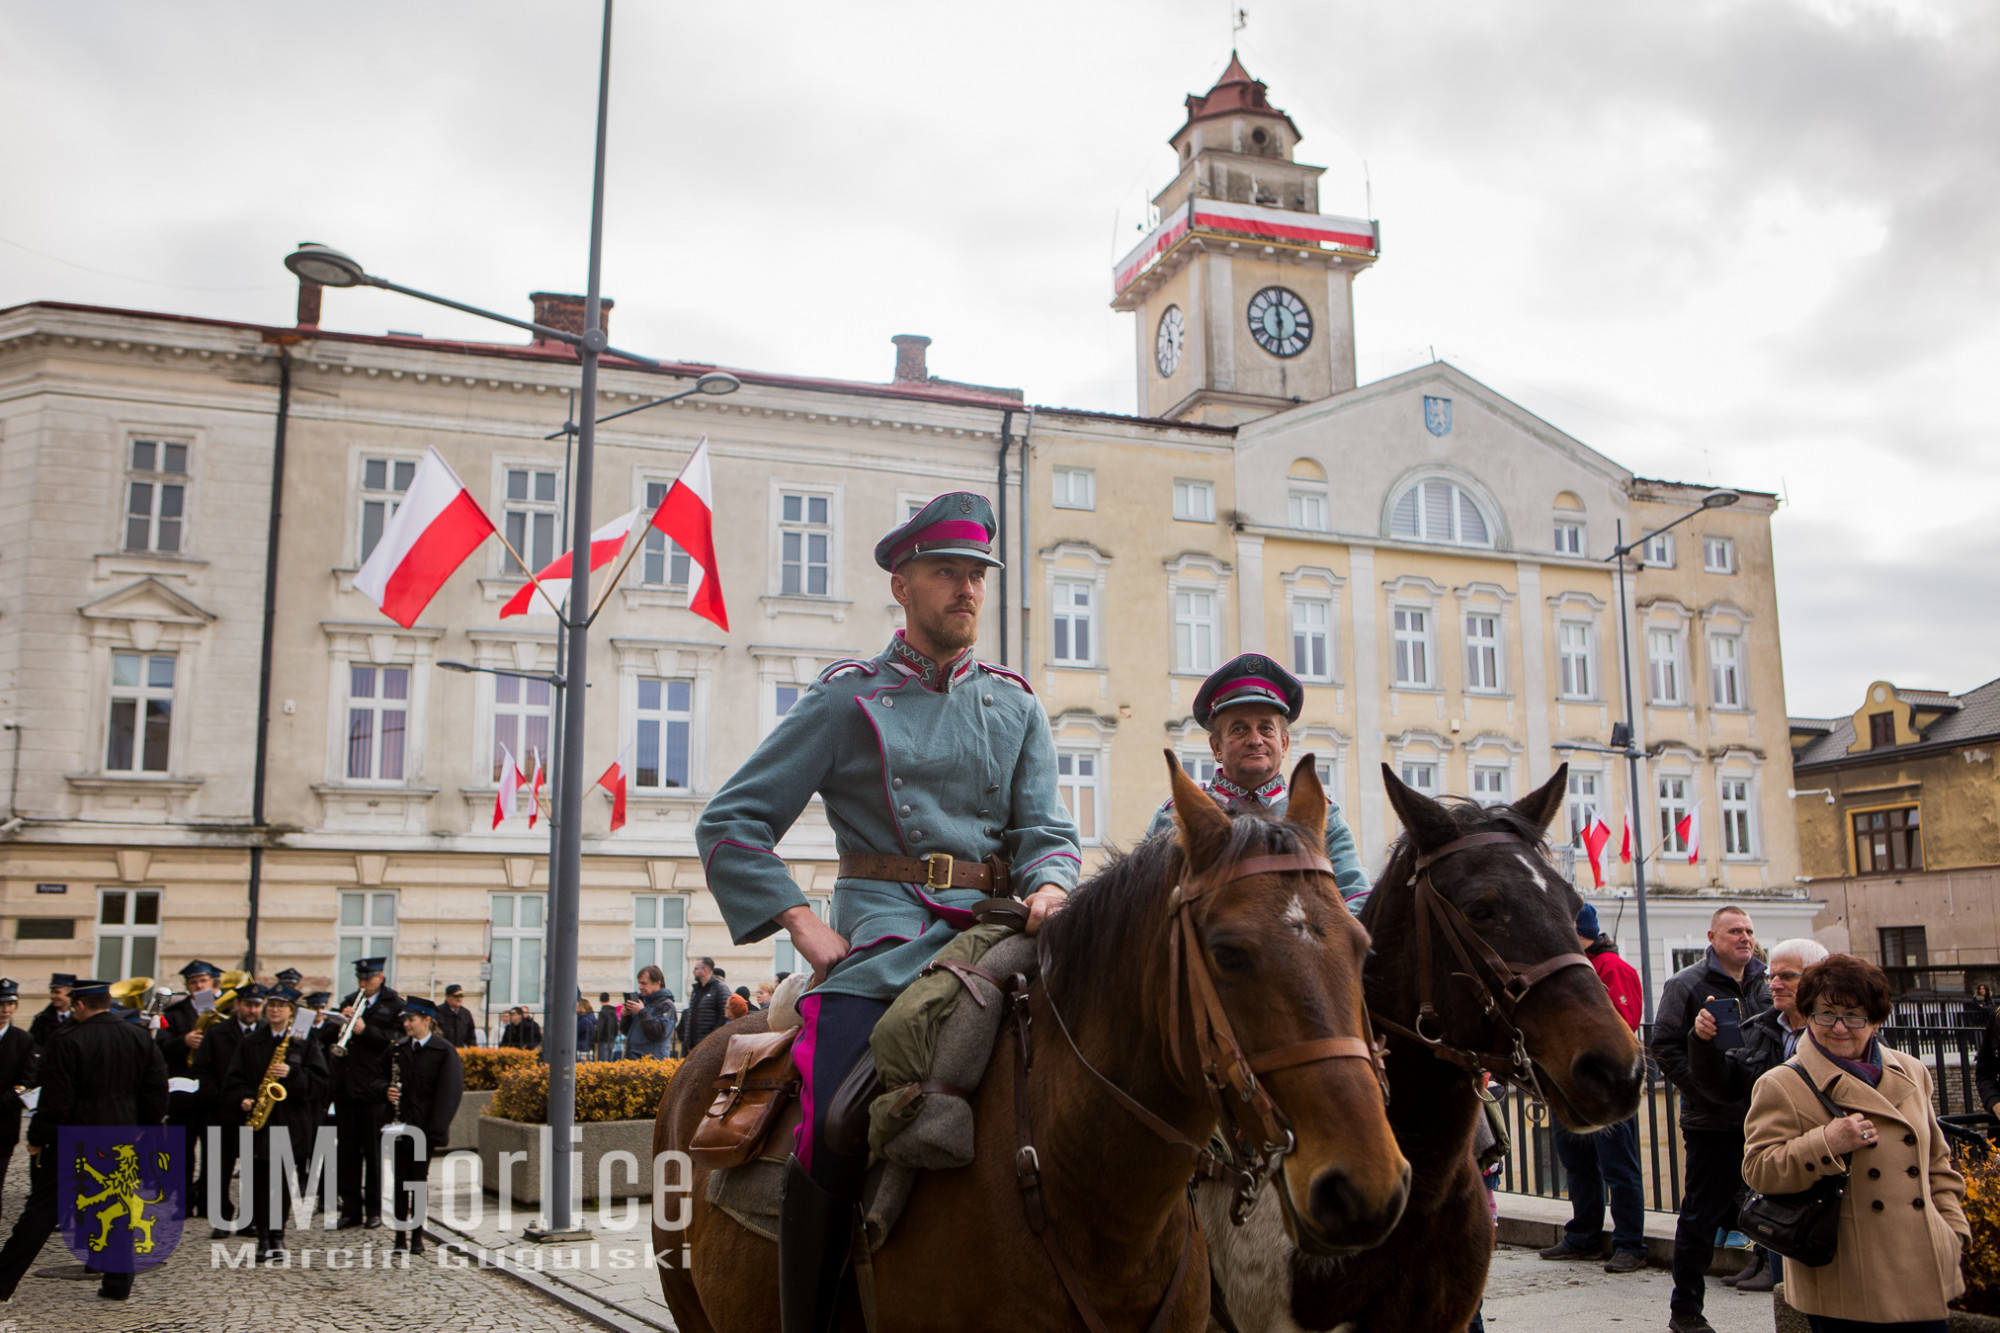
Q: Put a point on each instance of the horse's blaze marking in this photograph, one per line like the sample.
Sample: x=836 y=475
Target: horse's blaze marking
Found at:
x=1536 y=871
x=1295 y=916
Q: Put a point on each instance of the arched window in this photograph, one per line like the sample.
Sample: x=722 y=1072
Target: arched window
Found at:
x=1438 y=511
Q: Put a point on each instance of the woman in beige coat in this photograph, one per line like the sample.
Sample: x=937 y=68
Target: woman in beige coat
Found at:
x=1902 y=1226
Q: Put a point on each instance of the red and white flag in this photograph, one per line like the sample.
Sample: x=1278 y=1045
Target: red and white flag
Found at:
x=687 y=514
x=605 y=544
x=506 y=801
x=1688 y=829
x=432 y=531
x=1625 y=838
x=613 y=781
x=535 y=790
x=1594 y=839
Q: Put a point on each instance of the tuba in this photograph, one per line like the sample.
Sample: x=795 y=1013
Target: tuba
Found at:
x=129 y=990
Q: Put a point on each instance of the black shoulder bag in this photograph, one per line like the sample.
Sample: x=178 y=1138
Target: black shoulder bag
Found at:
x=1805 y=1226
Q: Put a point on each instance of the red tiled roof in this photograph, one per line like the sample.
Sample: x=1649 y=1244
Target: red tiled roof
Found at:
x=1235 y=93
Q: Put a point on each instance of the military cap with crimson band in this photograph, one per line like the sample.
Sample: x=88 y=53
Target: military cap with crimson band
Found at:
x=1250 y=679
x=960 y=523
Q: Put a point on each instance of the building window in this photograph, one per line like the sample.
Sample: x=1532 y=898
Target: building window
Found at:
x=1076 y=779
x=1437 y=511
x=1072 y=643
x=142 y=711
x=659 y=937
x=533 y=510
x=384 y=482
x=1482 y=652
x=1489 y=785
x=1888 y=840
x=378 y=710
x=785 y=958
x=664 y=564
x=1421 y=777
x=128 y=933
x=156 y=499
x=1663 y=665
x=1075 y=488
x=1413 y=647
x=1194 y=631
x=1312 y=638
x=1569 y=539
x=1684 y=958
x=1881 y=730
x=1737 y=826
x=1725 y=671
x=1718 y=555
x=805 y=544
x=666 y=710
x=1673 y=809
x=1573 y=644
x=1582 y=803
x=1658 y=550
x=1903 y=946
x=1308 y=509
x=516 y=932
x=522 y=710
x=1200 y=767
x=367 y=929
x=1194 y=501
x=783 y=697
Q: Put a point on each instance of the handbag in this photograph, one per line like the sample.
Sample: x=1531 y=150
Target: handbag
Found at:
x=758 y=1081
x=1804 y=1226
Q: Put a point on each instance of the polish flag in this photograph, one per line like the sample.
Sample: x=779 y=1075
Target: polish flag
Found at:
x=1594 y=839
x=1625 y=838
x=605 y=544
x=535 y=790
x=613 y=781
x=432 y=531
x=687 y=515
x=1689 y=830
x=506 y=801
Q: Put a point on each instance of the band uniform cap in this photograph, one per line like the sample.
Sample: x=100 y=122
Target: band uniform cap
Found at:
x=959 y=523
x=62 y=979
x=417 y=1004
x=1249 y=679
x=9 y=989
x=283 y=991
x=364 y=967
x=255 y=990
x=198 y=968
x=86 y=987
x=454 y=989
x=291 y=976
x=319 y=999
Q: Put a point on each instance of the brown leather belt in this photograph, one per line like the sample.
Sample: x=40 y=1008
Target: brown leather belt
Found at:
x=939 y=870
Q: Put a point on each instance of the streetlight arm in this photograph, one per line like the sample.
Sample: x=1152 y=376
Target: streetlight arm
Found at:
x=559 y=335
x=1638 y=542
x=570 y=428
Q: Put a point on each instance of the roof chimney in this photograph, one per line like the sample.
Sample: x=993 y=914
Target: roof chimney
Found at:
x=309 y=294
x=560 y=310
x=910 y=367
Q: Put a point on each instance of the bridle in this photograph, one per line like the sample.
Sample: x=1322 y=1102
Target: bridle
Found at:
x=1500 y=985
x=1259 y=1134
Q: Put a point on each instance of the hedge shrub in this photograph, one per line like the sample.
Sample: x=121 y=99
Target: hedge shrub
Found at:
x=605 y=1090
x=485 y=1064
x=1981 y=1261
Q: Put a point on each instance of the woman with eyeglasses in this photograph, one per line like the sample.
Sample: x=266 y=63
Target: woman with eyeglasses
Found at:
x=1902 y=1226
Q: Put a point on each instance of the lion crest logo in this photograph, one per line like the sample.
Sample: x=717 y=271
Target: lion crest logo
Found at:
x=119 y=1194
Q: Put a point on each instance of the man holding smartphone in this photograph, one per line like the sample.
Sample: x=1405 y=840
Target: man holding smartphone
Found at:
x=1711 y=1130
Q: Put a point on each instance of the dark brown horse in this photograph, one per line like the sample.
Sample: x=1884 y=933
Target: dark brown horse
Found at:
x=1578 y=1056
x=1285 y=960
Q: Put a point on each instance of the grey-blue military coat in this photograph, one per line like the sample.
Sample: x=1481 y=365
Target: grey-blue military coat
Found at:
x=962 y=764
x=1274 y=798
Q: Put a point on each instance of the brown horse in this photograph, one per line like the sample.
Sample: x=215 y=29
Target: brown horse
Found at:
x=1283 y=956
x=1572 y=1050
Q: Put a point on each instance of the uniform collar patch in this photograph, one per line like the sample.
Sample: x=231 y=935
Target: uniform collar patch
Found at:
x=1229 y=793
x=939 y=678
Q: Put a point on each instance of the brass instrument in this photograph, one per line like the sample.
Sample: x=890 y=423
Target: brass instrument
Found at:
x=130 y=989
x=270 y=1092
x=353 y=1021
x=225 y=1001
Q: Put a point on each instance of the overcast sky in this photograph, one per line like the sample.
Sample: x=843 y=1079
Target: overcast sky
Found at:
x=1751 y=243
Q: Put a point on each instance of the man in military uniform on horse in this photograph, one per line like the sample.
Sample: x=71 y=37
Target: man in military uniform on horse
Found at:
x=938 y=775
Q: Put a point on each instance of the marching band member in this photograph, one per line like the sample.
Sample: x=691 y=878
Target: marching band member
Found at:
x=371 y=1016
x=269 y=1053
x=424 y=1094
x=179 y=1039
x=55 y=1013
x=210 y=1065
x=17 y=1071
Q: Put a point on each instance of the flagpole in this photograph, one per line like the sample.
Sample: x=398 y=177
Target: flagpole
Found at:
x=516 y=557
x=623 y=566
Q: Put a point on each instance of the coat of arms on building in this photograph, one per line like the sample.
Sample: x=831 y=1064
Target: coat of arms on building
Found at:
x=1437 y=415
x=119 y=1194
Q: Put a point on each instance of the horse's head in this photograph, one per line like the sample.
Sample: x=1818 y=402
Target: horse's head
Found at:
x=1285 y=958
x=1507 y=892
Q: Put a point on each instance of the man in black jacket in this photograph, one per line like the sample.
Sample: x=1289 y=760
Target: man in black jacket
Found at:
x=100 y=1070
x=360 y=1092
x=179 y=1039
x=55 y=1013
x=432 y=1085
x=220 y=1122
x=648 y=1023
x=454 y=1020
x=707 y=1006
x=17 y=1070
x=1712 y=1130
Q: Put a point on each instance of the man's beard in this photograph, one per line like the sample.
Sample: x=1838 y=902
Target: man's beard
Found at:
x=950 y=632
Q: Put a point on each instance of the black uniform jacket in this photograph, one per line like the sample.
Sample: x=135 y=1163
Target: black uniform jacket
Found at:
x=455 y=1025
x=362 y=1075
x=433 y=1086
x=46 y=1024
x=210 y=1064
x=177 y=1020
x=99 y=1070
x=18 y=1058
x=304 y=1083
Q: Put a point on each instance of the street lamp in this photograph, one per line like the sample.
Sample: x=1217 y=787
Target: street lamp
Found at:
x=714 y=384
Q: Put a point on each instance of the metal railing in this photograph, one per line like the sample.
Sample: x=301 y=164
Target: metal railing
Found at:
x=1532 y=1167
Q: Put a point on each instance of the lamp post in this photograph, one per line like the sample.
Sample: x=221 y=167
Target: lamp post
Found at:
x=331 y=268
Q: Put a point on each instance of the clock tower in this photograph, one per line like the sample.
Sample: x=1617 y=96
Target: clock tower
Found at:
x=1244 y=290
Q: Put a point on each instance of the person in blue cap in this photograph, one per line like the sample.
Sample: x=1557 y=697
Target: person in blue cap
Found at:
x=17 y=1070
x=424 y=1094
x=361 y=1088
x=55 y=1013
x=302 y=1073
x=210 y=1065
x=939 y=778
x=179 y=1039
x=1247 y=707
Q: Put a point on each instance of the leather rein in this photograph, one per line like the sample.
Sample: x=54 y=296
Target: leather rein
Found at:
x=1500 y=986
x=1260 y=1134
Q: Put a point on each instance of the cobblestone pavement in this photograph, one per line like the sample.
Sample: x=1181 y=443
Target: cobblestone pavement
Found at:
x=196 y=1290
x=1525 y=1291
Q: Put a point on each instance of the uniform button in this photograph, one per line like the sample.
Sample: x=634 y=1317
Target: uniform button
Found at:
x=897 y=783
x=916 y=835
x=994 y=832
x=1810 y=1167
x=903 y=809
x=990 y=790
x=1910 y=1139
x=988 y=699
x=1917 y=1204
x=1913 y=1173
x=1874 y=1174
x=888 y=703
x=1827 y=1160
x=1877 y=1205
x=982 y=814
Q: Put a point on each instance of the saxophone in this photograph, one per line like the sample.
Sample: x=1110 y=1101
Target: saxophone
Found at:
x=270 y=1092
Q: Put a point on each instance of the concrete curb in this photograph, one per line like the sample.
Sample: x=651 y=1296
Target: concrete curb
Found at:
x=574 y=1299
x=1535 y=1222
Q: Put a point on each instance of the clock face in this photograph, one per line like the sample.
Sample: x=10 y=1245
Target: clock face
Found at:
x=1167 y=342
x=1280 y=322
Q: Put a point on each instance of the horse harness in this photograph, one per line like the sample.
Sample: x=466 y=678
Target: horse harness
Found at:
x=1501 y=986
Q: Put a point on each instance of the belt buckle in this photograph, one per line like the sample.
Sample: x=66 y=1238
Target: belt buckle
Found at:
x=934 y=879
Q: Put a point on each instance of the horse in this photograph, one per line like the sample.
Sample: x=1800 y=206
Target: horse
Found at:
x=1230 y=932
x=1474 y=969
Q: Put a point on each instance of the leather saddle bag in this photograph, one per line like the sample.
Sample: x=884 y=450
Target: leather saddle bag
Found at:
x=757 y=1082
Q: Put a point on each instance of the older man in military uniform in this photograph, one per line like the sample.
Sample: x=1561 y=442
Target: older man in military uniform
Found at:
x=360 y=1091
x=1248 y=707
x=939 y=779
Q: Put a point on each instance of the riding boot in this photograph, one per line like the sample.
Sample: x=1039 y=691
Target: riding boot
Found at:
x=814 y=1232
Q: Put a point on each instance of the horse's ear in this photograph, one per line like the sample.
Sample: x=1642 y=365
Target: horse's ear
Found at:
x=1429 y=823
x=1203 y=825
x=1541 y=806
x=1307 y=807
